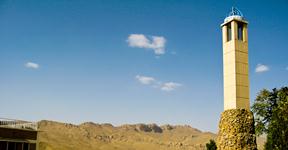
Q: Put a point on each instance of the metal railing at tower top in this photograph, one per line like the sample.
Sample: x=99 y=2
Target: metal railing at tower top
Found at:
x=18 y=124
x=235 y=12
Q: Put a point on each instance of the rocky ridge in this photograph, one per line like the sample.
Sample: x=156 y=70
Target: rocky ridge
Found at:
x=89 y=135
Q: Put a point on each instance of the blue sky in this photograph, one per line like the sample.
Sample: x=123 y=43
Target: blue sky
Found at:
x=133 y=61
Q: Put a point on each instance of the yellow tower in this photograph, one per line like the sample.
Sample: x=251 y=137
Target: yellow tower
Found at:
x=236 y=126
x=235 y=61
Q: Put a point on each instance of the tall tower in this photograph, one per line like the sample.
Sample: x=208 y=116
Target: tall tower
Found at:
x=235 y=61
x=236 y=126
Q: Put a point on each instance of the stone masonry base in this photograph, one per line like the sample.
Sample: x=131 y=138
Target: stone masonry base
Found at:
x=236 y=130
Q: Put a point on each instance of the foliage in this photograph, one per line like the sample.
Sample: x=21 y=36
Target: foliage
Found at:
x=271 y=117
x=211 y=145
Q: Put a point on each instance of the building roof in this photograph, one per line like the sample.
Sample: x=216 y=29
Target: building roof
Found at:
x=17 y=124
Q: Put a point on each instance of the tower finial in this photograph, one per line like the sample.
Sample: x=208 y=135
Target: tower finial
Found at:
x=235 y=12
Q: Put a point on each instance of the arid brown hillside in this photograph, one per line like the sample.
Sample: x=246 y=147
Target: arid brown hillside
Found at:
x=91 y=136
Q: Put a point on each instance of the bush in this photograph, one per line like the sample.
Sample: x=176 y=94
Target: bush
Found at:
x=211 y=145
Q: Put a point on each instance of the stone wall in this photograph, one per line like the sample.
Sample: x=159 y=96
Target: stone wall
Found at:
x=236 y=130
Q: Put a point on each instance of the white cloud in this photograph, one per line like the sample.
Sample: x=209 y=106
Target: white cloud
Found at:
x=261 y=68
x=32 y=65
x=167 y=86
x=170 y=86
x=145 y=80
x=156 y=43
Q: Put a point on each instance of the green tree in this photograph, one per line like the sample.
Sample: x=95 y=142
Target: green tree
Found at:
x=211 y=145
x=271 y=117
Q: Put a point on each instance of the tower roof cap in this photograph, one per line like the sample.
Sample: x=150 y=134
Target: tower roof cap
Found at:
x=235 y=14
